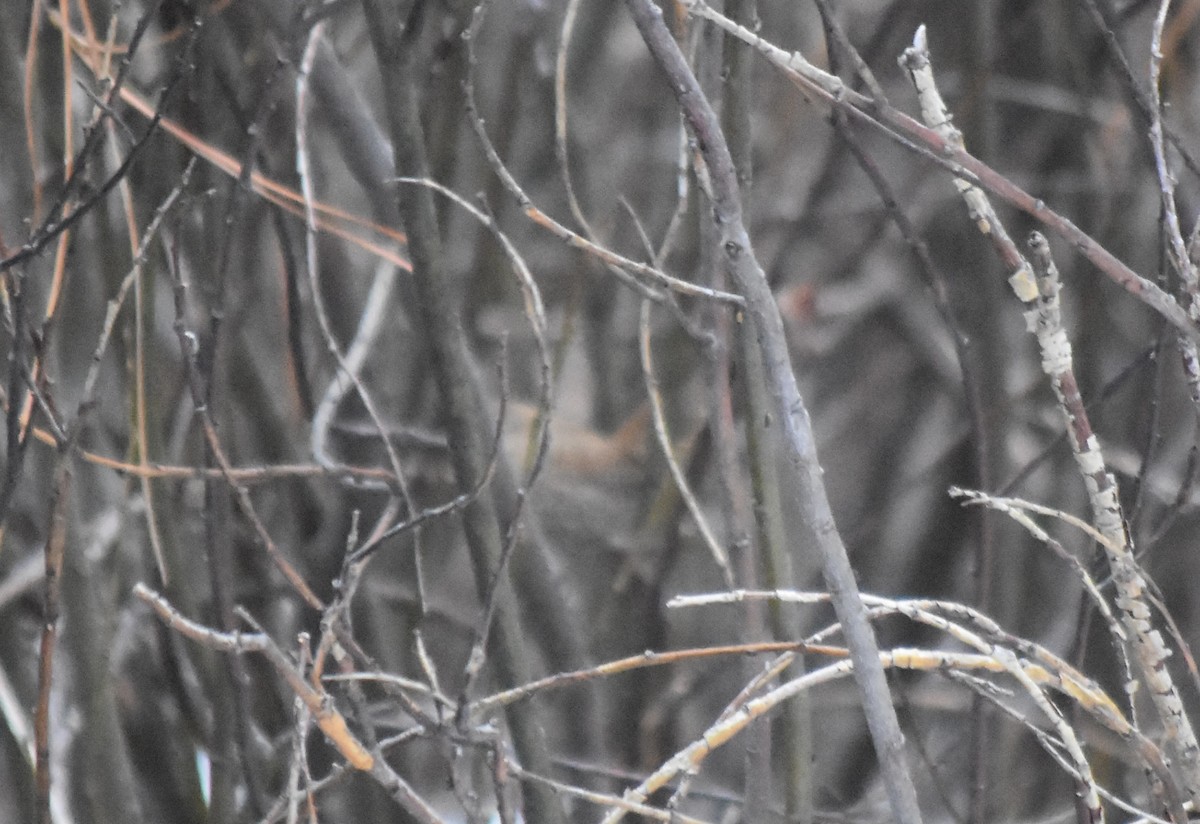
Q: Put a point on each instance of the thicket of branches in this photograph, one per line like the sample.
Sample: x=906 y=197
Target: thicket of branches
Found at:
x=746 y=411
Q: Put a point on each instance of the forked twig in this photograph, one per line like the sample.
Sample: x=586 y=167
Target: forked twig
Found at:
x=927 y=141
x=1036 y=283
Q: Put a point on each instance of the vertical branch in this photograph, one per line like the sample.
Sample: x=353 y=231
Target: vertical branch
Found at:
x=1045 y=320
x=394 y=51
x=189 y=346
x=1103 y=16
x=561 y=136
x=16 y=435
x=778 y=573
x=55 y=548
x=1181 y=254
x=988 y=448
x=807 y=487
x=56 y=542
x=769 y=553
x=55 y=551
x=235 y=771
x=141 y=313
x=36 y=10
x=69 y=168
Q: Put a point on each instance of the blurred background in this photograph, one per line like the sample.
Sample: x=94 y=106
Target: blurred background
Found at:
x=917 y=378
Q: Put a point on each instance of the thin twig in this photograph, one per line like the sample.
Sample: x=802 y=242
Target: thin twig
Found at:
x=809 y=497
x=967 y=169
x=188 y=348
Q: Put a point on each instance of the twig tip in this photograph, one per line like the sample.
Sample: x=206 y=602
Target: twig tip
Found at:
x=920 y=39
